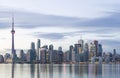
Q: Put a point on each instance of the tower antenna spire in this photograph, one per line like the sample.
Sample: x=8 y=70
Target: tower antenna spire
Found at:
x=13 y=32
x=12 y=21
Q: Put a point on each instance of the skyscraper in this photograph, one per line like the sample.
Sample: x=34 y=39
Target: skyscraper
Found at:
x=73 y=55
x=86 y=52
x=13 y=32
x=70 y=52
x=77 y=52
x=51 y=53
x=92 y=50
x=81 y=42
x=22 y=55
x=32 y=52
x=100 y=50
x=114 y=52
x=60 y=54
x=33 y=46
x=38 y=50
x=96 y=48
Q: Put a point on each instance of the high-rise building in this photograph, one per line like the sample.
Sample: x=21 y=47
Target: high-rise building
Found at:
x=45 y=46
x=100 y=50
x=51 y=47
x=38 y=50
x=22 y=55
x=81 y=42
x=33 y=46
x=77 y=46
x=1 y=59
x=73 y=55
x=43 y=55
x=32 y=52
x=71 y=48
x=60 y=48
x=60 y=55
x=114 y=55
x=96 y=48
x=92 y=51
x=86 y=52
x=51 y=53
x=114 y=52
x=78 y=51
x=7 y=57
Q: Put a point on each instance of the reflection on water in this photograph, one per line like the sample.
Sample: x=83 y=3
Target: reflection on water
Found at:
x=13 y=70
x=60 y=70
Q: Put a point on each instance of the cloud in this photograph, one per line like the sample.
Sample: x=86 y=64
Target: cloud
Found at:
x=51 y=36
x=109 y=45
x=25 y=19
x=112 y=20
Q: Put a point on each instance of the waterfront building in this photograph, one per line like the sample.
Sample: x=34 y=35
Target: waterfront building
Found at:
x=107 y=58
x=96 y=53
x=71 y=48
x=93 y=59
x=73 y=55
x=38 y=50
x=100 y=50
x=114 y=55
x=92 y=50
x=51 y=48
x=22 y=55
x=60 y=55
x=43 y=55
x=1 y=59
x=77 y=52
x=67 y=56
x=86 y=52
x=7 y=57
x=28 y=56
x=114 y=51
x=45 y=46
x=56 y=56
x=81 y=42
x=47 y=56
x=33 y=52
x=100 y=60
x=32 y=45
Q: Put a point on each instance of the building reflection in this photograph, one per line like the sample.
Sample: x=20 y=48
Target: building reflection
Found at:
x=50 y=70
x=99 y=71
x=85 y=70
x=95 y=71
x=60 y=68
x=12 y=70
x=71 y=71
x=77 y=71
x=66 y=70
x=38 y=71
x=32 y=70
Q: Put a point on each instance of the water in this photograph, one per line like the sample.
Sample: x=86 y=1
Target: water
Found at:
x=59 y=71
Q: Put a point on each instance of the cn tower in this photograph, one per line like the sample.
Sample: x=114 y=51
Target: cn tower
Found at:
x=13 y=32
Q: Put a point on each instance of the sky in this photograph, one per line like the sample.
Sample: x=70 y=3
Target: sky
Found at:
x=60 y=22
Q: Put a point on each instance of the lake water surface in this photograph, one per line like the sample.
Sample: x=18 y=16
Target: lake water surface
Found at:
x=60 y=71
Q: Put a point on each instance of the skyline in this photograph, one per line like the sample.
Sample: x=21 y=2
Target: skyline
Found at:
x=33 y=21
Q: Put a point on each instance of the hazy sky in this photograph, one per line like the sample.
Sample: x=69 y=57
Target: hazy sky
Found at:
x=61 y=23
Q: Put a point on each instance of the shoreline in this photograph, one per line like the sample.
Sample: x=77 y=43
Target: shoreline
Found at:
x=67 y=63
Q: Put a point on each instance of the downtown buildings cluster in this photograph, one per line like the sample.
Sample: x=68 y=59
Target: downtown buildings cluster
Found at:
x=80 y=52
